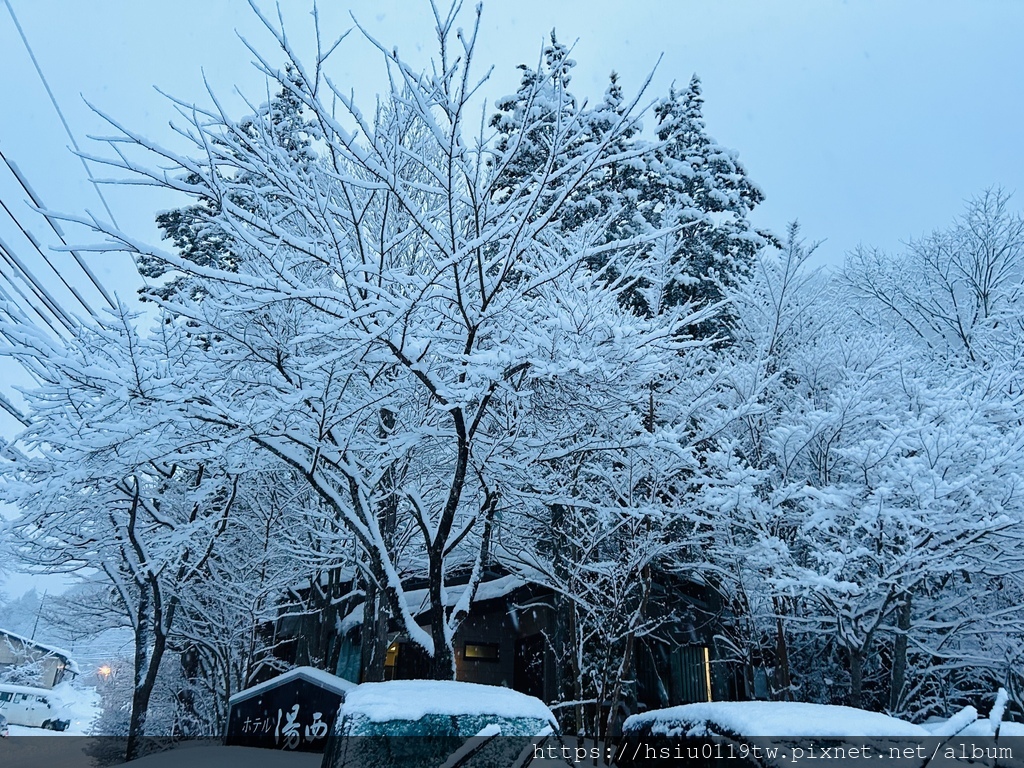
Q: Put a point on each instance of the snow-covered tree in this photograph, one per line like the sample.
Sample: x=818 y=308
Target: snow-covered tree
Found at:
x=956 y=291
x=867 y=485
x=108 y=477
x=391 y=309
x=683 y=184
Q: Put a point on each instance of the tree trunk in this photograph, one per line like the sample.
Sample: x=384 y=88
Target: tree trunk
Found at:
x=899 y=654
x=442 y=665
x=856 y=676
x=373 y=650
x=626 y=668
x=783 y=681
x=376 y=615
x=140 y=693
x=567 y=683
x=188 y=719
x=146 y=666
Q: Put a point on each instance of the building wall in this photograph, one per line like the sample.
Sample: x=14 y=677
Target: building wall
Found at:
x=486 y=631
x=15 y=652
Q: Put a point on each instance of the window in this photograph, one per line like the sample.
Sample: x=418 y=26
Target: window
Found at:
x=480 y=651
x=5 y=696
x=391 y=657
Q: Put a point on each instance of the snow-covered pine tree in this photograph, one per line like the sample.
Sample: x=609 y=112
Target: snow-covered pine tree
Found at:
x=704 y=190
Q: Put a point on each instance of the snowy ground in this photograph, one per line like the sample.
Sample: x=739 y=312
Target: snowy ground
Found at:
x=229 y=757
x=80 y=704
x=248 y=757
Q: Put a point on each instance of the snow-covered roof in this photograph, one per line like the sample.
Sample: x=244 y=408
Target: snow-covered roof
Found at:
x=51 y=650
x=414 y=699
x=418 y=600
x=771 y=718
x=312 y=675
x=323 y=579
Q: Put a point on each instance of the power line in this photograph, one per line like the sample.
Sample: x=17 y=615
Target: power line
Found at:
x=31 y=366
x=16 y=311
x=38 y=203
x=35 y=243
x=32 y=281
x=26 y=299
x=60 y=114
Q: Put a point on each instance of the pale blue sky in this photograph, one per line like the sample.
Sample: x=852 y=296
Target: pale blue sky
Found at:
x=870 y=120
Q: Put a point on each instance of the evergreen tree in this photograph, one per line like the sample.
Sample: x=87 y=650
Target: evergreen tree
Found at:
x=704 y=191
x=684 y=183
x=193 y=229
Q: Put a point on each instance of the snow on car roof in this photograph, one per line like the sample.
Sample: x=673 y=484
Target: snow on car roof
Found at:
x=414 y=699
x=772 y=718
x=28 y=690
x=313 y=675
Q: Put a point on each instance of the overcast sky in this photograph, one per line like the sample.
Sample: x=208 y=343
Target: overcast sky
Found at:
x=869 y=121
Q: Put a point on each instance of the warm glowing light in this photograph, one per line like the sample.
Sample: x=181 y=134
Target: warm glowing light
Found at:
x=103 y=671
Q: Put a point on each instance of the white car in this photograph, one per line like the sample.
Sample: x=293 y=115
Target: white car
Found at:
x=34 y=707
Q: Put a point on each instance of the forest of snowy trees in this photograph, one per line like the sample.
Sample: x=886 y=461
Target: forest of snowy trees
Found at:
x=394 y=341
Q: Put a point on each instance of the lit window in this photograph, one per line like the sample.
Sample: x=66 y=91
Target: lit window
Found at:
x=391 y=657
x=480 y=651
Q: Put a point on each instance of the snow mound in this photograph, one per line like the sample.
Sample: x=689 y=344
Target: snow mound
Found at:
x=770 y=718
x=415 y=699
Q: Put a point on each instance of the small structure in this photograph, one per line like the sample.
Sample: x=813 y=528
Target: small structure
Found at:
x=45 y=665
x=427 y=723
x=293 y=711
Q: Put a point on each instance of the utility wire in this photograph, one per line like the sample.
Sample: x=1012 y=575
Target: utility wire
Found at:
x=38 y=203
x=28 y=301
x=48 y=301
x=16 y=313
x=60 y=114
x=35 y=243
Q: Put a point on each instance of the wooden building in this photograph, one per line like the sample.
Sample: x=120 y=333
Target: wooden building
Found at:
x=45 y=666
x=506 y=640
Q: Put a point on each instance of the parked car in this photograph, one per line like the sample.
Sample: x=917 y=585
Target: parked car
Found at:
x=34 y=707
x=758 y=734
x=426 y=723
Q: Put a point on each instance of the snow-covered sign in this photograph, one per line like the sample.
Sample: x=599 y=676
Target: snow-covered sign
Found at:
x=293 y=711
